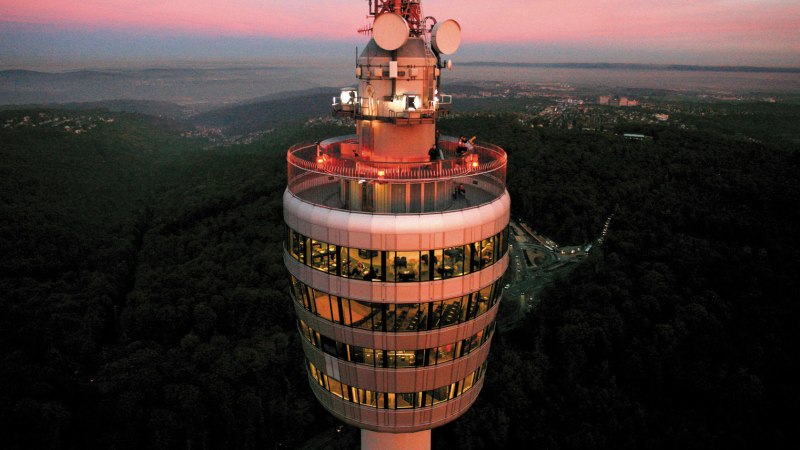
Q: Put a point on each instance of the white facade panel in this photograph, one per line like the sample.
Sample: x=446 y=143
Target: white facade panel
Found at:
x=397 y=232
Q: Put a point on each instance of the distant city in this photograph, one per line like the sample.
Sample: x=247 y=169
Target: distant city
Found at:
x=203 y=89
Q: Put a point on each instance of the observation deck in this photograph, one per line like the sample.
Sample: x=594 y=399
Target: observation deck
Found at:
x=333 y=175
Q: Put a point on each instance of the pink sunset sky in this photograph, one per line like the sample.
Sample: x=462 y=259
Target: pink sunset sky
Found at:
x=674 y=31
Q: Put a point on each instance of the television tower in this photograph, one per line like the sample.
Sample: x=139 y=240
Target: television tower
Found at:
x=397 y=241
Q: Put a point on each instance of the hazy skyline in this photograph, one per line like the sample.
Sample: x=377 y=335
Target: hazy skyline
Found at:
x=729 y=32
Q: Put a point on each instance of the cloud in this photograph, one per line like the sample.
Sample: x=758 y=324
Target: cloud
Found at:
x=769 y=30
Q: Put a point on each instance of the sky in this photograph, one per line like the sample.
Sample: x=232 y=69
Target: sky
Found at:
x=713 y=32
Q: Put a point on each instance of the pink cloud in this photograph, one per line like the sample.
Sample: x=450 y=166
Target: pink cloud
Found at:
x=747 y=23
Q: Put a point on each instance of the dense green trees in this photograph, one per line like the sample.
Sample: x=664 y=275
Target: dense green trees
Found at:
x=678 y=332
x=144 y=304
x=144 y=299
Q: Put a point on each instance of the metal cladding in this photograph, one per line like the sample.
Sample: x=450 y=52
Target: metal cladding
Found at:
x=397 y=241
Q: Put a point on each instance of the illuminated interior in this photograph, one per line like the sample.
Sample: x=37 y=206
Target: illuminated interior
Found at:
x=391 y=400
x=397 y=266
x=396 y=317
x=396 y=359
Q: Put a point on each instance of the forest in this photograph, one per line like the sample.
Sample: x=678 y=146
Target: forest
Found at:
x=144 y=303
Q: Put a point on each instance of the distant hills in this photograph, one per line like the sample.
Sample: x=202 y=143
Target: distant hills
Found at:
x=268 y=112
x=149 y=107
x=622 y=66
x=258 y=114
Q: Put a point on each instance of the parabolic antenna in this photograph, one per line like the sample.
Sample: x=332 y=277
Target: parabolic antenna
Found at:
x=390 y=31
x=446 y=37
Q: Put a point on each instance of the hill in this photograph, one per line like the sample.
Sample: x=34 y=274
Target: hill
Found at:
x=144 y=302
x=680 y=331
x=268 y=112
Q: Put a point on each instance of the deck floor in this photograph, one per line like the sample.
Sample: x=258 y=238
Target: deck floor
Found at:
x=329 y=195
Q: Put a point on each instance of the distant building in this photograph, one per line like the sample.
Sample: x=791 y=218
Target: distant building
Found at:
x=616 y=101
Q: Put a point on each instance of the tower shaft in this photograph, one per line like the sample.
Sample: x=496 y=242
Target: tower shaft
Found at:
x=397 y=241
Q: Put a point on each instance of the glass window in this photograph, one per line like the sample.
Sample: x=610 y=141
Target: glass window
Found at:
x=408 y=317
x=435 y=316
x=487 y=252
x=430 y=357
x=357 y=354
x=380 y=400
x=322 y=305
x=328 y=345
x=361 y=314
x=319 y=254
x=386 y=317
x=440 y=394
x=392 y=265
x=406 y=400
x=405 y=359
x=336 y=314
x=419 y=358
x=454 y=258
x=365 y=397
x=344 y=262
x=472 y=343
x=468 y=382
x=424 y=265
x=346 y=317
x=451 y=312
x=474 y=254
x=483 y=299
x=335 y=387
x=306 y=331
x=331 y=259
x=297 y=245
x=437 y=263
x=503 y=243
x=391 y=358
x=389 y=400
x=395 y=266
x=444 y=353
x=342 y=351
x=424 y=316
x=377 y=317
x=297 y=289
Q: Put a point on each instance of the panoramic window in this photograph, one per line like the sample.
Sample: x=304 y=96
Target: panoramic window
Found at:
x=404 y=400
x=391 y=317
x=396 y=359
x=396 y=266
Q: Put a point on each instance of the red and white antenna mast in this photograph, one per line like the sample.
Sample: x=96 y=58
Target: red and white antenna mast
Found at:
x=410 y=10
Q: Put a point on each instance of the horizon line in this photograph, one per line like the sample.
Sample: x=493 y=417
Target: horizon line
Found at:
x=241 y=65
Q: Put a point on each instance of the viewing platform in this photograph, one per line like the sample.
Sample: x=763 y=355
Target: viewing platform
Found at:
x=332 y=174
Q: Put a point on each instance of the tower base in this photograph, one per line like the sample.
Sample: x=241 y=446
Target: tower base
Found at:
x=372 y=440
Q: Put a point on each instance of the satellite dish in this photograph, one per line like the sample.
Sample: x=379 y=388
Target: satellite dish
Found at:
x=446 y=37
x=390 y=31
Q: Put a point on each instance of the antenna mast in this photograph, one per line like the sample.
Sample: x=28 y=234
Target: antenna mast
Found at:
x=411 y=10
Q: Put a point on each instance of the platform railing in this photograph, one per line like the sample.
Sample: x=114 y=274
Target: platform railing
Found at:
x=319 y=173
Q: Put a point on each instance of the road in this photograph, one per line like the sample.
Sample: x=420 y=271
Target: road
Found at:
x=525 y=278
